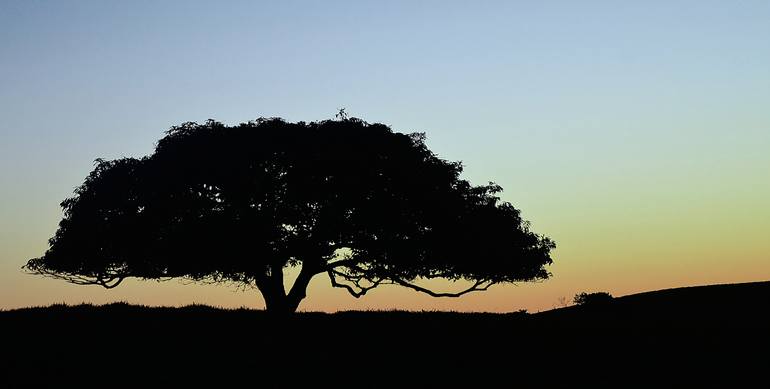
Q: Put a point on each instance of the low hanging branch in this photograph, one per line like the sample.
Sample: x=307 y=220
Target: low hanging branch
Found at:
x=356 y=280
x=478 y=286
x=108 y=283
x=114 y=280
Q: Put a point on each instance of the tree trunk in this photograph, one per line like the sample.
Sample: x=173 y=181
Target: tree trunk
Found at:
x=280 y=303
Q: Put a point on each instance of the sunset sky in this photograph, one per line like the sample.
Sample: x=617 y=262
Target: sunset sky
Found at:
x=635 y=134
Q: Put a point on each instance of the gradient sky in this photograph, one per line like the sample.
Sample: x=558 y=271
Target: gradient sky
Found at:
x=635 y=134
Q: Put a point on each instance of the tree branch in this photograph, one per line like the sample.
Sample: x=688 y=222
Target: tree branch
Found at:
x=480 y=285
x=362 y=289
x=360 y=275
x=299 y=289
x=342 y=262
x=106 y=283
x=109 y=283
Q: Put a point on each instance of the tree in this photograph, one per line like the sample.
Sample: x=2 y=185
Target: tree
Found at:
x=355 y=201
x=592 y=299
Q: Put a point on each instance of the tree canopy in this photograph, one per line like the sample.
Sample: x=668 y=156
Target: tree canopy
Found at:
x=355 y=201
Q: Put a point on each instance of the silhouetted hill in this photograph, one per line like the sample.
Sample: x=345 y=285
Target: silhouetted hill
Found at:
x=728 y=305
x=712 y=334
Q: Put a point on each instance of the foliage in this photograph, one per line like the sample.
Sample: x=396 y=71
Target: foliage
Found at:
x=238 y=204
x=592 y=299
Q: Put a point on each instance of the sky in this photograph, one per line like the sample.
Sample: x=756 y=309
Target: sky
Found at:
x=635 y=134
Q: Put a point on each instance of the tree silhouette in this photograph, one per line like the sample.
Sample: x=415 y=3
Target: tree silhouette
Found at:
x=592 y=299
x=354 y=201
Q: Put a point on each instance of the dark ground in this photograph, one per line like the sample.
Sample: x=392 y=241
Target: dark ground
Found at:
x=713 y=335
